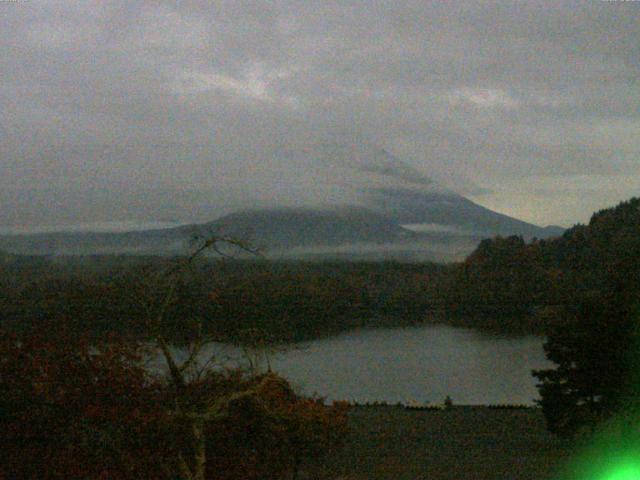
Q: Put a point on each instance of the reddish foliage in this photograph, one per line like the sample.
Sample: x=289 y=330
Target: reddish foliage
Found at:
x=71 y=410
x=267 y=434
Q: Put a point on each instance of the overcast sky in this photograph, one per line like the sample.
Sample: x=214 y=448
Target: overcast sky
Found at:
x=150 y=110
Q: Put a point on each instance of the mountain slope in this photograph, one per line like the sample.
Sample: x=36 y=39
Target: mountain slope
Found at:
x=302 y=227
x=409 y=206
x=366 y=200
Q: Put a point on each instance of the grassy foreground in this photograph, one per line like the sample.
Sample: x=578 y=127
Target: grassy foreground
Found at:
x=475 y=443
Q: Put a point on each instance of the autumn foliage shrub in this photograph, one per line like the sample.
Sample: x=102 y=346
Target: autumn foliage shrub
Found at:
x=70 y=409
x=272 y=430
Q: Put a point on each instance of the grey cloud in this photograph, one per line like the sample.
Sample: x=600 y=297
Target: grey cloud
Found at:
x=119 y=98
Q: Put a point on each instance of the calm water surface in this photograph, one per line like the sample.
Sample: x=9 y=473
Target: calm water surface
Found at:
x=421 y=364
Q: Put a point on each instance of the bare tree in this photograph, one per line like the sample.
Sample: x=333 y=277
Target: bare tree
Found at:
x=158 y=294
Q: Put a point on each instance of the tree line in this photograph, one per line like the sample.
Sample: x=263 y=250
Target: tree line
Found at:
x=292 y=301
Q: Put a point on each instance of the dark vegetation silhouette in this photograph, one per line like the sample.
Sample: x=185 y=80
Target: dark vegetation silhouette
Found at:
x=91 y=409
x=595 y=340
x=292 y=301
x=595 y=350
x=582 y=290
x=70 y=409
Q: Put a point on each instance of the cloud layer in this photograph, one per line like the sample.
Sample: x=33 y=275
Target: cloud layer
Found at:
x=149 y=110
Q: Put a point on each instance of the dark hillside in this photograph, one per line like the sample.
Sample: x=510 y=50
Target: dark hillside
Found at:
x=509 y=281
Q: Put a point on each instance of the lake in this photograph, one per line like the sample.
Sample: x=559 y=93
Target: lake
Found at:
x=423 y=364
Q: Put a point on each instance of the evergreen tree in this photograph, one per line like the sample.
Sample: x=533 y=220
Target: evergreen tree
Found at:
x=595 y=349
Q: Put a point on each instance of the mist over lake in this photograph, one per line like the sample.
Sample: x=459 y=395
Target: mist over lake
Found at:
x=423 y=364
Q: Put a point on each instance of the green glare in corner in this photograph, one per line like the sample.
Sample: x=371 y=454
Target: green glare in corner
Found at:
x=606 y=459
x=628 y=471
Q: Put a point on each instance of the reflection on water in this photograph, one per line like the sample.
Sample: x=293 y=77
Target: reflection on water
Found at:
x=420 y=364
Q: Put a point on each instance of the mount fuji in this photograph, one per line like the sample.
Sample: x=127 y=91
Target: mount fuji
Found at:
x=355 y=202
